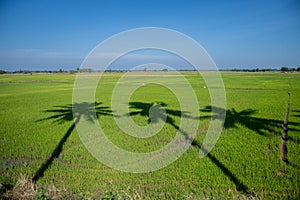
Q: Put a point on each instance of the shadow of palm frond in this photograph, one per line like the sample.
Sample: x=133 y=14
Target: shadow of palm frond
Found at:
x=244 y=118
x=157 y=110
x=297 y=113
x=71 y=112
x=76 y=111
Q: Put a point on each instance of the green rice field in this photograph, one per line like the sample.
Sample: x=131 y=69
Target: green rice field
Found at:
x=38 y=139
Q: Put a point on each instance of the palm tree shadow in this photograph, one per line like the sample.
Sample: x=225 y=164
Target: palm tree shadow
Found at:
x=155 y=111
x=262 y=126
x=71 y=112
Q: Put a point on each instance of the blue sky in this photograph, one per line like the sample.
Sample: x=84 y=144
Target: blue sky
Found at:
x=54 y=34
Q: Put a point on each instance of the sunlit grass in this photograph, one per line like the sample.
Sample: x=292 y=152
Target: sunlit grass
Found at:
x=245 y=161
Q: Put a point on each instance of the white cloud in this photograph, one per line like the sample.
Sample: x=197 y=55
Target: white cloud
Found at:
x=29 y=50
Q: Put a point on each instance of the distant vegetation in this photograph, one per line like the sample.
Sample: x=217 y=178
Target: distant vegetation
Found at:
x=286 y=69
x=90 y=70
x=282 y=69
x=37 y=71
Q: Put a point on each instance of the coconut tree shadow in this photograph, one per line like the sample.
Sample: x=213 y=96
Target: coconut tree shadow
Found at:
x=154 y=112
x=262 y=126
x=71 y=112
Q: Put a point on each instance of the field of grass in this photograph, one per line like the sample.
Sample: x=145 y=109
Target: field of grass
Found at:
x=38 y=138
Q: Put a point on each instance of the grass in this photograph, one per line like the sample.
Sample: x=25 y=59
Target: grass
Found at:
x=244 y=163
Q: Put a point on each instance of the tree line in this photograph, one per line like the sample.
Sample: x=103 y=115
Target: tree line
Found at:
x=282 y=69
x=287 y=69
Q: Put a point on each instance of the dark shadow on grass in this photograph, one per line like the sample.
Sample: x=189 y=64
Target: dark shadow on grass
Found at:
x=294 y=139
x=297 y=113
x=262 y=126
x=238 y=184
x=71 y=112
x=143 y=109
x=157 y=111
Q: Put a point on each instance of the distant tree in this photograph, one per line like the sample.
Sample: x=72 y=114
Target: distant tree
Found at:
x=298 y=69
x=284 y=69
x=61 y=70
x=165 y=70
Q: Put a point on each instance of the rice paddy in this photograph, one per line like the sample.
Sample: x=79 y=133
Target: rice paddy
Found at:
x=38 y=138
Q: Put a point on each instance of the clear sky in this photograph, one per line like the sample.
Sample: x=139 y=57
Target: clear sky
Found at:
x=54 y=34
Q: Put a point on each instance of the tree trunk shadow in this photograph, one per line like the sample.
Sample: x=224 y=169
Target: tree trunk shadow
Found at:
x=143 y=110
x=71 y=112
x=55 y=154
x=238 y=184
